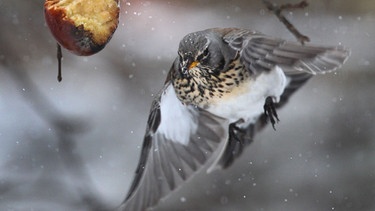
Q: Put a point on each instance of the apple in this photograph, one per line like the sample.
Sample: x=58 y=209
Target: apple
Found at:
x=83 y=27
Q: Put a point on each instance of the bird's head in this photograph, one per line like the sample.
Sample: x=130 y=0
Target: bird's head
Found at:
x=200 y=54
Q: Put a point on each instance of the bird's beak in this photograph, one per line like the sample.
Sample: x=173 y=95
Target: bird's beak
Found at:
x=193 y=64
x=188 y=66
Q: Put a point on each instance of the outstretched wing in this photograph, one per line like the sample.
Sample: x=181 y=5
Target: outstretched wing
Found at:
x=260 y=53
x=179 y=140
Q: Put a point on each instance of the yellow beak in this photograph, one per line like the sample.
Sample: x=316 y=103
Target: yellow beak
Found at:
x=193 y=64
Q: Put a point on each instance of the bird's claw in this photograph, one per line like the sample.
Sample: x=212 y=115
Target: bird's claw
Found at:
x=270 y=111
x=233 y=132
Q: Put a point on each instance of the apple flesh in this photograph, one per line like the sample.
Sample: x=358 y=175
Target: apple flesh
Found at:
x=83 y=27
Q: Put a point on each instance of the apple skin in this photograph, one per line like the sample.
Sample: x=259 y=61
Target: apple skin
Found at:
x=75 y=36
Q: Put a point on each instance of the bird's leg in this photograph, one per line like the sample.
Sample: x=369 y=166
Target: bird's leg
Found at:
x=270 y=111
x=234 y=131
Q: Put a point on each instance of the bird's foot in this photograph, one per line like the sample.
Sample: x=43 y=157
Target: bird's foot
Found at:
x=235 y=132
x=270 y=111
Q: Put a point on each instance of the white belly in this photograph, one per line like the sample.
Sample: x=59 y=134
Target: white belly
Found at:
x=246 y=101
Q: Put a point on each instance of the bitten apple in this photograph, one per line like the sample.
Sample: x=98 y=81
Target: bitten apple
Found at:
x=83 y=27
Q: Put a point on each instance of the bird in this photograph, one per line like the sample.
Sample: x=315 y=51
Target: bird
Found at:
x=224 y=86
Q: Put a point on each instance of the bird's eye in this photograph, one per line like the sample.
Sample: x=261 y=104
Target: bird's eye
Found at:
x=204 y=55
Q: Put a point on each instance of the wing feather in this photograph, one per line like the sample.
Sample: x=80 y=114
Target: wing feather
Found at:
x=164 y=163
x=261 y=53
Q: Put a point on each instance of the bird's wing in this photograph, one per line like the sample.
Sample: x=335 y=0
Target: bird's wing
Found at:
x=179 y=141
x=260 y=53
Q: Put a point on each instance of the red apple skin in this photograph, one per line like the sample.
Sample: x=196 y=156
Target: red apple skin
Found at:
x=75 y=38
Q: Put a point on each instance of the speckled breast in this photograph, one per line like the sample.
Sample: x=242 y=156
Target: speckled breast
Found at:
x=202 y=88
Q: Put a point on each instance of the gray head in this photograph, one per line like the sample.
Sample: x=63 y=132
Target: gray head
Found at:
x=202 y=50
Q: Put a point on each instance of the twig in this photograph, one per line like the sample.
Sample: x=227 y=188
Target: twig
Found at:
x=277 y=10
x=59 y=57
x=289 y=6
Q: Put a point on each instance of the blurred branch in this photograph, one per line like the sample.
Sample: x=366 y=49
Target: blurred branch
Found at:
x=277 y=10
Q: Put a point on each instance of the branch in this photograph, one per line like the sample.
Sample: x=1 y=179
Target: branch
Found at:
x=277 y=10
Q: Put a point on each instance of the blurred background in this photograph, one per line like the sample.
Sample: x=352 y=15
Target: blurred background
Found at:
x=74 y=145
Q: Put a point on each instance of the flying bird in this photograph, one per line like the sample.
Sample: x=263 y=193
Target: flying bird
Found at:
x=223 y=87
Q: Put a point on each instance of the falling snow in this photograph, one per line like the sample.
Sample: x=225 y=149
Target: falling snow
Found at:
x=320 y=156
